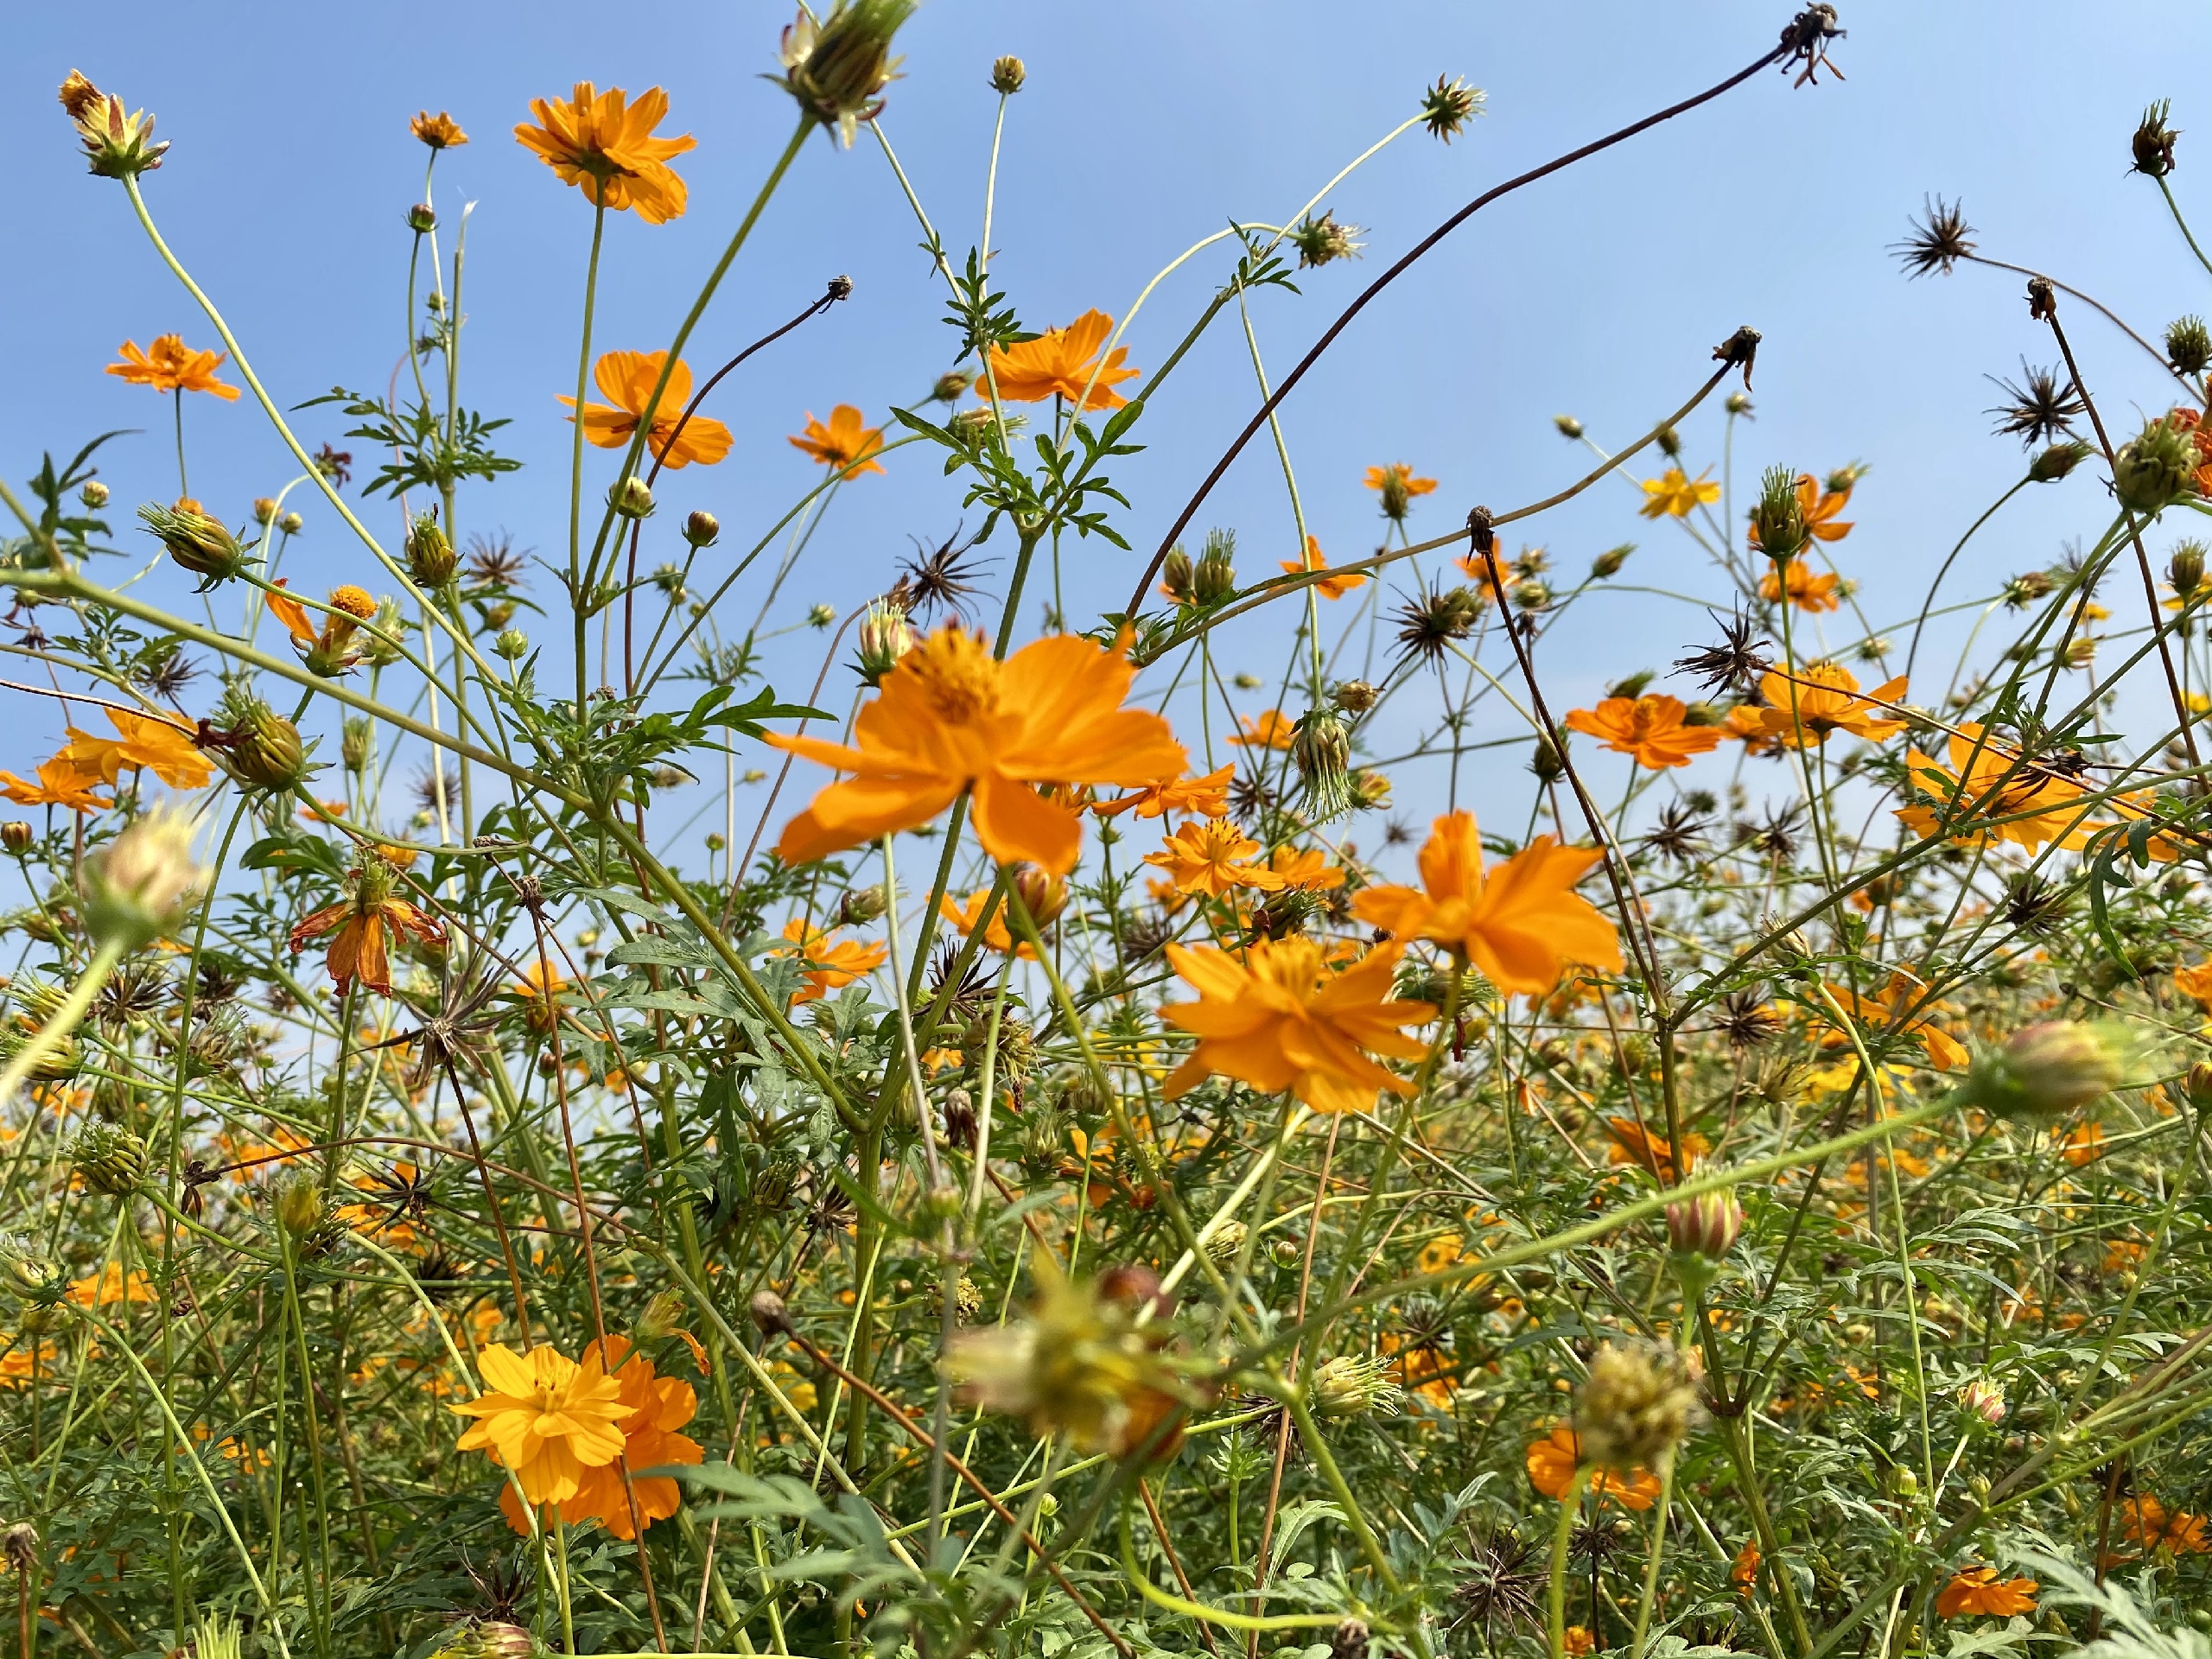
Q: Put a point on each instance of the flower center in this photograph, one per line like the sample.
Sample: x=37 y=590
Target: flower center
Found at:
x=956 y=674
x=354 y=601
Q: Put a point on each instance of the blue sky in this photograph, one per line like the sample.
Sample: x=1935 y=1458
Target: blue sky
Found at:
x=1144 y=126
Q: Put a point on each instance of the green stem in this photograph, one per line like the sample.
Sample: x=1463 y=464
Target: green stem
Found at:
x=66 y=1019
x=1562 y=1530
x=578 y=597
x=1658 y=1549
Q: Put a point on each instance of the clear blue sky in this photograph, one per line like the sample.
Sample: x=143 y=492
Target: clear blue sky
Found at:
x=1144 y=126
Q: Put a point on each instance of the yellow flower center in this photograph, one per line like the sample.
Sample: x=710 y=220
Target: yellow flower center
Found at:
x=956 y=674
x=354 y=601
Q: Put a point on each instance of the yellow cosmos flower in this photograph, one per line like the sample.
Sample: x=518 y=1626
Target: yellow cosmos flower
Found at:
x=169 y=364
x=1677 y=495
x=604 y=145
x=546 y=1419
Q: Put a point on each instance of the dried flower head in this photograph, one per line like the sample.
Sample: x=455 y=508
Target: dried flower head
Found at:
x=1320 y=240
x=1635 y=1408
x=118 y=142
x=2042 y=409
x=2151 y=146
x=835 y=68
x=1938 y=242
x=1446 y=107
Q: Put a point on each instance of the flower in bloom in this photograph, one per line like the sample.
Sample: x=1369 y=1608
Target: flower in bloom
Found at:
x=626 y=379
x=658 y=1406
x=545 y=1418
x=150 y=742
x=828 y=966
x=439 y=131
x=1306 y=871
x=1744 y=1572
x=1807 y=590
x=329 y=649
x=2146 y=1522
x=22 y=1357
x=1521 y=923
x=1206 y=796
x=1817 y=506
x=1283 y=1018
x=1979 y=1590
x=1576 y=1639
x=1747 y=722
x=1328 y=586
x=1677 y=495
x=169 y=364
x=2023 y=803
x=1902 y=1004
x=1213 y=858
x=997 y=935
x=1553 y=1460
x=1651 y=728
x=110 y=1286
x=1062 y=363
x=604 y=145
x=362 y=922
x=1823 y=698
x=1632 y=1143
x=1398 y=486
x=950 y=716
x=1272 y=730
x=2196 y=982
x=61 y=782
x=846 y=444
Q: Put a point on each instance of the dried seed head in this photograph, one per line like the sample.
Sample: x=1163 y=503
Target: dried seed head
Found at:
x=1937 y=244
x=2152 y=144
x=1447 y=107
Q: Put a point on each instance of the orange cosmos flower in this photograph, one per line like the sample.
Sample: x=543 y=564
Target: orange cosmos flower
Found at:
x=604 y=145
x=109 y=1287
x=2145 y=1520
x=1398 y=487
x=150 y=742
x=1747 y=722
x=1308 y=872
x=329 y=649
x=949 y=716
x=1521 y=923
x=965 y=916
x=1208 y=796
x=1979 y=1590
x=61 y=782
x=658 y=1406
x=1328 y=586
x=2082 y=1144
x=627 y=378
x=1553 y=1460
x=1650 y=728
x=846 y=444
x=2196 y=982
x=361 y=921
x=1806 y=591
x=1577 y=1640
x=439 y=131
x=1060 y=363
x=169 y=364
x=1634 y=1144
x=1677 y=495
x=1283 y=1019
x=1824 y=698
x=1744 y=1572
x=19 y=1361
x=1213 y=858
x=1901 y=1005
x=545 y=1418
x=828 y=966
x=1269 y=731
x=1819 y=508
x=1986 y=780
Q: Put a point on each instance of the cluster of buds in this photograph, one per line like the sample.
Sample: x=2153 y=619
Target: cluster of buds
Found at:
x=837 y=68
x=1208 y=581
x=136 y=886
x=118 y=142
x=198 y=542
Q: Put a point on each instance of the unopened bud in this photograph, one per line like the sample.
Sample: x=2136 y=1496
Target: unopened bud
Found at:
x=16 y=837
x=1355 y=696
x=353 y=746
x=702 y=528
x=2154 y=469
x=1370 y=790
x=422 y=218
x=769 y=1314
x=264 y=510
x=2199 y=1084
x=1545 y=762
x=28 y=1274
x=290 y=523
x=663 y=1314
x=1609 y=562
x=512 y=644
x=1044 y=895
x=1984 y=1400
x=109 y=1158
x=860 y=906
x=951 y=386
x=2045 y=1070
x=632 y=498
x=196 y=542
x=1007 y=76
x=429 y=556
x=93 y=493
x=1567 y=425
x=1175 y=573
x=1707 y=1225
x=300 y=1206
x=884 y=639
x=134 y=886
x=1635 y=1408
x=2186 y=569
x=1669 y=442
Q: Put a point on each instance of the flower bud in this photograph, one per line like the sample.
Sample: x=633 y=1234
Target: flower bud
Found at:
x=1546 y=762
x=422 y=218
x=2186 y=569
x=1609 y=562
x=264 y=751
x=702 y=528
x=2189 y=344
x=1707 y=1225
x=835 y=68
x=380 y=647
x=1044 y=895
x=1669 y=442
x=1370 y=790
x=430 y=558
x=301 y=1207
x=884 y=639
x=1355 y=696
x=353 y=746
x=1737 y=404
x=290 y=523
x=1778 y=520
x=971 y=426
x=134 y=886
x=1319 y=242
x=1007 y=76
x=93 y=493
x=30 y=1275
x=1635 y=1408
x=2045 y=1070
x=1175 y=576
x=1984 y=1400
x=951 y=386
x=16 y=837
x=198 y=542
x=1215 y=577
x=632 y=498
x=2154 y=470
x=2198 y=1082
x=111 y=1159
x=820 y=616
x=1227 y=1244
x=769 y=1314
x=662 y=1316
x=264 y=510
x=1348 y=1386
x=512 y=645
x=1321 y=749
x=1567 y=425
x=1531 y=595
x=860 y=906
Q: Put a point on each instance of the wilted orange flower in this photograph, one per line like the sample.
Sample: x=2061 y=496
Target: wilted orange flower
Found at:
x=1651 y=728
x=1328 y=586
x=1819 y=508
x=1895 y=1005
x=169 y=364
x=439 y=131
x=150 y=742
x=61 y=782
x=1823 y=698
x=1272 y=730
x=1979 y=1590
x=1553 y=1460
x=1207 y=797
x=544 y=1418
x=1284 y=1018
x=1677 y=495
x=950 y=716
x=847 y=443
x=828 y=966
x=329 y=649
x=361 y=921
x=1214 y=858
x=1059 y=363
x=604 y=145
x=1521 y=923
x=1634 y=1144
x=1806 y=591
x=658 y=1406
x=627 y=378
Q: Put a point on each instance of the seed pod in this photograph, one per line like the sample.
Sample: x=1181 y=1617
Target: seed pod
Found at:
x=2189 y=344
x=1214 y=579
x=1321 y=749
x=835 y=68
x=1778 y=520
x=2186 y=569
x=1176 y=575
